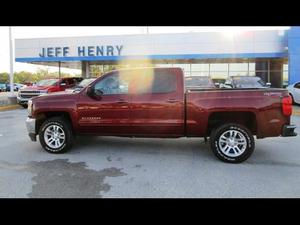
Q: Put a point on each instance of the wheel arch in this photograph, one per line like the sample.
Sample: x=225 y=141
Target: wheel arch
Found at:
x=245 y=118
x=41 y=117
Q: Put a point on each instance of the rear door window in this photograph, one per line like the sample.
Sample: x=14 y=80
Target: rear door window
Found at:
x=156 y=82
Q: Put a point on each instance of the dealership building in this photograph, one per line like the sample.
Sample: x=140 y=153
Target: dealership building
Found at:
x=273 y=55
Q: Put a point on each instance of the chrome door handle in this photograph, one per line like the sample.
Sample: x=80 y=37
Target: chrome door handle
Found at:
x=121 y=101
x=172 y=100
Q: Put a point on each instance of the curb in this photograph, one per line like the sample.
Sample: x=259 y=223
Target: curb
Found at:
x=9 y=107
x=296 y=114
x=296 y=111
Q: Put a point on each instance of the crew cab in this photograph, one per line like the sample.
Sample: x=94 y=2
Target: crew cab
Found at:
x=153 y=102
x=45 y=86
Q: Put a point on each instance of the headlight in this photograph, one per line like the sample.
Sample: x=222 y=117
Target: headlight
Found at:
x=29 y=108
x=19 y=92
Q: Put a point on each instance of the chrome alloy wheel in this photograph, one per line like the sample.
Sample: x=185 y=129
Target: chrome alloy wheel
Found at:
x=54 y=136
x=232 y=143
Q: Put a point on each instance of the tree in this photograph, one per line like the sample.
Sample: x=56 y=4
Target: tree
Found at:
x=4 y=77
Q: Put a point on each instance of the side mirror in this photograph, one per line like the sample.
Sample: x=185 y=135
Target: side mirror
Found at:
x=90 y=91
x=98 y=93
x=95 y=94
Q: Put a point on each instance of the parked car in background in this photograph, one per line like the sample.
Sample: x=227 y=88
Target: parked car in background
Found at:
x=46 y=86
x=2 y=87
x=245 y=82
x=195 y=82
x=294 y=91
x=29 y=83
x=17 y=86
x=81 y=85
x=218 y=81
x=152 y=102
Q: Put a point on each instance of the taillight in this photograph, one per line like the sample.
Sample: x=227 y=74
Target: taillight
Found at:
x=287 y=106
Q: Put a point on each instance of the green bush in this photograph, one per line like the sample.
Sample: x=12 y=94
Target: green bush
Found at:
x=23 y=76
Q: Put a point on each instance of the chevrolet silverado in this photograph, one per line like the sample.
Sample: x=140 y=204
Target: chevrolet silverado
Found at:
x=153 y=102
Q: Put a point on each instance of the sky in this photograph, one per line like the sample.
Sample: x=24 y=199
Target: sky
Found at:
x=70 y=31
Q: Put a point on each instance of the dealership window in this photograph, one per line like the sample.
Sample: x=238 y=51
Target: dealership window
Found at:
x=239 y=73
x=200 y=69
x=266 y=69
x=219 y=70
x=239 y=69
x=200 y=73
x=285 y=75
x=186 y=68
x=251 y=67
x=220 y=67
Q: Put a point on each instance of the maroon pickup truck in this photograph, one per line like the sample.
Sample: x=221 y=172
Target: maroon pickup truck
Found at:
x=154 y=102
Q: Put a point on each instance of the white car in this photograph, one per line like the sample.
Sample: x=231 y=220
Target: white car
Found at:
x=294 y=90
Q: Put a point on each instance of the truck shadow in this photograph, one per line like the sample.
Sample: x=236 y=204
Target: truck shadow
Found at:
x=183 y=146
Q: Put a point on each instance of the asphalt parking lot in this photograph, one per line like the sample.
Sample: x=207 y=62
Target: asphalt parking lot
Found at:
x=125 y=167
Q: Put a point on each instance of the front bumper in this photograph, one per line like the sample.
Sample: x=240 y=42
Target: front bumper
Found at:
x=30 y=125
x=22 y=101
x=288 y=131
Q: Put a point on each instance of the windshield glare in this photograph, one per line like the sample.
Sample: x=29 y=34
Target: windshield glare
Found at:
x=49 y=82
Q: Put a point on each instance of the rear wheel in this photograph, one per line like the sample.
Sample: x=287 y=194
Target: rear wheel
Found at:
x=56 y=135
x=232 y=143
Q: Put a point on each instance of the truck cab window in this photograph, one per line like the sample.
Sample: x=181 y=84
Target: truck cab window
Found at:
x=158 y=82
x=113 y=84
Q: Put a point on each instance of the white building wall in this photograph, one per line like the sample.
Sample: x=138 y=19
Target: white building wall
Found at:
x=162 y=44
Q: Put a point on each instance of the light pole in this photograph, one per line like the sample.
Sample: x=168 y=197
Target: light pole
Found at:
x=11 y=96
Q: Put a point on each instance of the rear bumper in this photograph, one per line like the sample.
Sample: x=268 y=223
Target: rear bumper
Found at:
x=288 y=131
x=30 y=125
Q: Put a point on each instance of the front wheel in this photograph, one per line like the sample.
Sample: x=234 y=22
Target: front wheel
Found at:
x=56 y=135
x=232 y=143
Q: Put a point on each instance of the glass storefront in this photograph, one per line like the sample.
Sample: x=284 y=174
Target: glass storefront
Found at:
x=216 y=70
x=285 y=75
x=270 y=71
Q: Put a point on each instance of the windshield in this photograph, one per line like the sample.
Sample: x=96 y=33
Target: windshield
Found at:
x=86 y=82
x=248 y=82
x=49 y=82
x=204 y=82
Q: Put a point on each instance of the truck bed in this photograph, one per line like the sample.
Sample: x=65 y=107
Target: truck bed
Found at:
x=208 y=106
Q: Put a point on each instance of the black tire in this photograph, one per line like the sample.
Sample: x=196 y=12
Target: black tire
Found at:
x=65 y=126
x=25 y=106
x=216 y=147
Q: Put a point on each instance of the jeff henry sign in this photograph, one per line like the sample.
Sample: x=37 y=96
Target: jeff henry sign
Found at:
x=103 y=50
